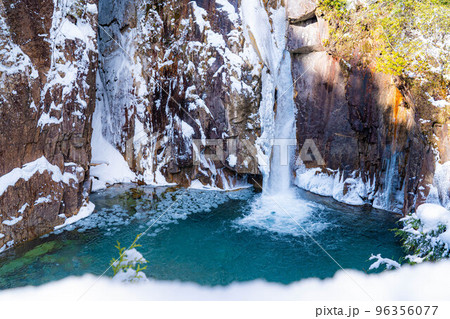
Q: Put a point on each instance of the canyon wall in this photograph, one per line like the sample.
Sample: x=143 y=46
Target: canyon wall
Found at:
x=48 y=58
x=178 y=77
x=195 y=71
x=373 y=132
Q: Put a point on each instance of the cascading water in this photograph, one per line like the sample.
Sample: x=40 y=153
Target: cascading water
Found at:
x=280 y=175
x=279 y=209
x=266 y=29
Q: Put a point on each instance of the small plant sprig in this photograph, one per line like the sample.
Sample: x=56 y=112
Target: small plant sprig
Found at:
x=124 y=265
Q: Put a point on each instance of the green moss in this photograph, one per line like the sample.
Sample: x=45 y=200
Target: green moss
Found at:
x=332 y=5
x=30 y=257
x=41 y=249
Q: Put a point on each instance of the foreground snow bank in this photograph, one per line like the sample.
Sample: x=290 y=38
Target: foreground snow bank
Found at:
x=428 y=281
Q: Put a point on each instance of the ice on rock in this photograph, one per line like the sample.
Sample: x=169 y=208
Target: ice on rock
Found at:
x=109 y=166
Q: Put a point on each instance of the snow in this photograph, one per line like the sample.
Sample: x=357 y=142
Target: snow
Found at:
x=80 y=30
x=187 y=130
x=199 y=14
x=46 y=119
x=439 y=103
x=427 y=233
x=66 y=78
x=195 y=100
x=227 y=185
x=332 y=184
x=232 y=159
x=131 y=258
x=432 y=216
x=379 y=261
x=439 y=190
x=92 y=8
x=352 y=4
x=42 y=200
x=22 y=209
x=351 y=190
x=229 y=9
x=12 y=221
x=40 y=166
x=196 y=184
x=84 y=212
x=131 y=81
x=12 y=59
x=8 y=245
x=428 y=281
x=414 y=259
x=130 y=275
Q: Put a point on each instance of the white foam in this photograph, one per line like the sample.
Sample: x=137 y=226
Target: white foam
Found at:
x=282 y=214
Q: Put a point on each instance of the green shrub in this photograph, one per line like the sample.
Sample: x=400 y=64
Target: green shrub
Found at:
x=420 y=245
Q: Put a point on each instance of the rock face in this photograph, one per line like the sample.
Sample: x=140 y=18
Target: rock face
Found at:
x=365 y=125
x=298 y=11
x=307 y=36
x=180 y=78
x=47 y=70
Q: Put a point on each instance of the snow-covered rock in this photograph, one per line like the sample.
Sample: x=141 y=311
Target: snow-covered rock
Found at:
x=48 y=58
x=167 y=89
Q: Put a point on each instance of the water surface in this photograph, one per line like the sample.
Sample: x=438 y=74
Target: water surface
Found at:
x=208 y=237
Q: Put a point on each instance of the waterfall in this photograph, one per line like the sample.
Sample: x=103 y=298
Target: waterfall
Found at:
x=266 y=29
x=280 y=176
x=279 y=209
x=391 y=176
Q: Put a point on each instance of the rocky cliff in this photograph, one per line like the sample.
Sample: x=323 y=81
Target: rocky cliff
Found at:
x=373 y=130
x=180 y=80
x=48 y=58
